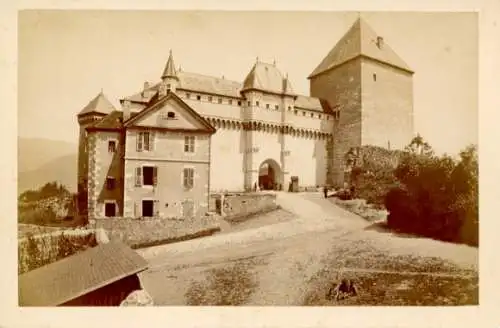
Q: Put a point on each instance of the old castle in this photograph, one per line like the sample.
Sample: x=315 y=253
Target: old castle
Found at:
x=178 y=140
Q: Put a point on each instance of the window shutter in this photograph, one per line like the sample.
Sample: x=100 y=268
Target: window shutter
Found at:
x=185 y=177
x=138 y=176
x=155 y=176
x=147 y=141
x=152 y=141
x=139 y=141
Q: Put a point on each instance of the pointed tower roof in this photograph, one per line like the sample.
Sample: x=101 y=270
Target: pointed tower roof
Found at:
x=100 y=104
x=360 y=40
x=169 y=70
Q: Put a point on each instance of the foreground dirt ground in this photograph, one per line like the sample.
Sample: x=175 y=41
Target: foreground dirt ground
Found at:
x=295 y=255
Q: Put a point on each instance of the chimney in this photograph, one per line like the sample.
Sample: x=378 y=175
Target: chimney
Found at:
x=126 y=110
x=145 y=89
x=380 y=42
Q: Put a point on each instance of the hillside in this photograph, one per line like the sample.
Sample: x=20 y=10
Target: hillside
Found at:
x=41 y=161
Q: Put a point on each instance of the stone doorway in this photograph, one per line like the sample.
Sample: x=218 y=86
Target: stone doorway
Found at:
x=270 y=175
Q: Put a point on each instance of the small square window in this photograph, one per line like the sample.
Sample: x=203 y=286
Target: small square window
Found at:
x=230 y=101
x=111 y=146
x=312 y=115
x=210 y=98
x=188 y=95
x=303 y=113
x=239 y=103
x=198 y=97
x=171 y=115
x=276 y=107
x=295 y=112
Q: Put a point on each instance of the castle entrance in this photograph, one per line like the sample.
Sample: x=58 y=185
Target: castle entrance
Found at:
x=270 y=175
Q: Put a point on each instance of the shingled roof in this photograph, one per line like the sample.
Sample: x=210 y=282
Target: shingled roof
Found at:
x=313 y=104
x=267 y=77
x=360 y=40
x=80 y=274
x=100 y=104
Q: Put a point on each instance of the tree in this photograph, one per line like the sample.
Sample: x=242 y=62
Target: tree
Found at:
x=419 y=146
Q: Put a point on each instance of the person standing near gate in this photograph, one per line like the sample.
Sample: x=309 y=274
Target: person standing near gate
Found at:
x=325 y=191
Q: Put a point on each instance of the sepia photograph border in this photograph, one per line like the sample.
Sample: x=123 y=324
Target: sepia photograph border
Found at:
x=483 y=315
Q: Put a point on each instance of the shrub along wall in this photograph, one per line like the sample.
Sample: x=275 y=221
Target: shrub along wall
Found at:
x=35 y=251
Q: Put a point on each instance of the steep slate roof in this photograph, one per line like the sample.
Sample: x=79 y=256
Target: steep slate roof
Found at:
x=160 y=101
x=112 y=121
x=209 y=84
x=100 y=104
x=360 y=40
x=266 y=77
x=80 y=274
x=196 y=83
x=314 y=104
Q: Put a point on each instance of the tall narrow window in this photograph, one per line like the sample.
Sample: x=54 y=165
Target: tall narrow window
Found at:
x=111 y=146
x=144 y=142
x=188 y=178
x=188 y=95
x=257 y=103
x=374 y=77
x=267 y=106
x=149 y=174
x=219 y=100
x=230 y=101
x=189 y=144
x=276 y=107
x=210 y=98
x=198 y=97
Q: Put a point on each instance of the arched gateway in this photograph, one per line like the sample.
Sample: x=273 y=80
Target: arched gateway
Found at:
x=270 y=175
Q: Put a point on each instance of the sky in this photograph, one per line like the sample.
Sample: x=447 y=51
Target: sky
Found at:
x=67 y=57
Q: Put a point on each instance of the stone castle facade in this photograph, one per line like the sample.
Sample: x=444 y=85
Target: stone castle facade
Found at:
x=361 y=93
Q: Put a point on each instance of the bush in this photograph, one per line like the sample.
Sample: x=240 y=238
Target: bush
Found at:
x=437 y=197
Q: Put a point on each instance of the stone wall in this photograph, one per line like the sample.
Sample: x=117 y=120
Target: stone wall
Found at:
x=238 y=207
x=341 y=87
x=146 y=232
x=46 y=246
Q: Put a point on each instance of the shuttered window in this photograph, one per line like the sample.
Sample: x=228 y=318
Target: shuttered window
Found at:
x=189 y=144
x=188 y=180
x=145 y=141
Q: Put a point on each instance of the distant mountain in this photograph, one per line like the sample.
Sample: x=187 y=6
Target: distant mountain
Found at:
x=42 y=160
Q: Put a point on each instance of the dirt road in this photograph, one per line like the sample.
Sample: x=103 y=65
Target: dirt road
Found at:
x=285 y=253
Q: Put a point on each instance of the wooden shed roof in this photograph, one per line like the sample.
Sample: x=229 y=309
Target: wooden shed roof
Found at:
x=80 y=274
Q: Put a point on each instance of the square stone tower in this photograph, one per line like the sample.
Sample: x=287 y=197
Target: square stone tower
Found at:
x=372 y=87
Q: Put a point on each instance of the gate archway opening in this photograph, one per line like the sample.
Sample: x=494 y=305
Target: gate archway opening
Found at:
x=270 y=175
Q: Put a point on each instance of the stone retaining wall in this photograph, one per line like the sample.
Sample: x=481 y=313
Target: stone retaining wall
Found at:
x=237 y=207
x=146 y=232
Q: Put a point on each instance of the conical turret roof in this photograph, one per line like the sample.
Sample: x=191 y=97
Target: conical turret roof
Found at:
x=100 y=104
x=169 y=70
x=360 y=40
